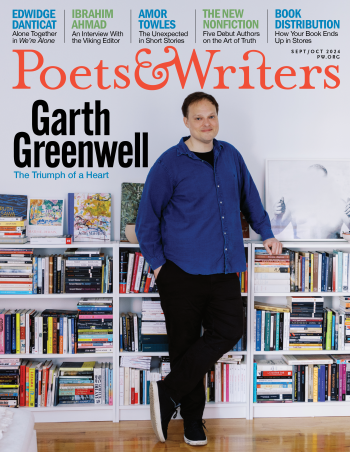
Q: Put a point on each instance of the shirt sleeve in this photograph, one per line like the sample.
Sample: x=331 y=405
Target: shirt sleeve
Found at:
x=156 y=194
x=251 y=205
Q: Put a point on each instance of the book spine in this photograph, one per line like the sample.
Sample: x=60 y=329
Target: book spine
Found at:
x=258 y=330
x=35 y=274
x=18 y=333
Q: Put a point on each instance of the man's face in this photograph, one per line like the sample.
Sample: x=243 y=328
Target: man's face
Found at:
x=202 y=121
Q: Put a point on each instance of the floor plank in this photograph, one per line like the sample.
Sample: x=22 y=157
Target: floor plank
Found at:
x=260 y=435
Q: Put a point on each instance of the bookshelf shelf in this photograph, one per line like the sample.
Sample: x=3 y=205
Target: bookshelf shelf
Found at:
x=134 y=295
x=80 y=412
x=78 y=356
x=144 y=353
x=57 y=296
x=51 y=246
x=301 y=409
x=212 y=410
x=295 y=409
x=303 y=352
x=76 y=413
x=304 y=294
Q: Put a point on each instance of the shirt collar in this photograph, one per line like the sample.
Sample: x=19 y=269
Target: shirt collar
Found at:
x=182 y=148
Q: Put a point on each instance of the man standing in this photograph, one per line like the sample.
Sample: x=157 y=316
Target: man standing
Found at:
x=189 y=230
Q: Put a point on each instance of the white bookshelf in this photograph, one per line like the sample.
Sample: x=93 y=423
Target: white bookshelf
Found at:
x=295 y=409
x=79 y=412
x=132 y=302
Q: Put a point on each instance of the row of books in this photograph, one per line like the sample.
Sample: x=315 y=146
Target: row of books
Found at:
x=146 y=333
x=54 y=331
x=226 y=381
x=299 y=271
x=135 y=376
x=135 y=274
x=34 y=384
x=303 y=324
x=95 y=320
x=77 y=271
x=302 y=379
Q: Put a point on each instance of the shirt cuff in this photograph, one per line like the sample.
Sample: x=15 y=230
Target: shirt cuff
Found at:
x=267 y=234
x=157 y=262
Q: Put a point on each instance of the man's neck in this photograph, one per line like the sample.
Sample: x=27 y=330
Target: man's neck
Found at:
x=198 y=146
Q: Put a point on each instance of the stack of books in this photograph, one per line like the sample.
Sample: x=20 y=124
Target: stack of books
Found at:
x=12 y=230
x=135 y=275
x=9 y=382
x=135 y=377
x=130 y=332
x=306 y=322
x=16 y=271
x=271 y=327
x=84 y=272
x=273 y=381
x=271 y=272
x=153 y=329
x=95 y=325
x=226 y=381
x=85 y=382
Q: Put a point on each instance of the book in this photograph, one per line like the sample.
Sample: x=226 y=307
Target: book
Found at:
x=54 y=240
x=89 y=216
x=12 y=206
x=45 y=217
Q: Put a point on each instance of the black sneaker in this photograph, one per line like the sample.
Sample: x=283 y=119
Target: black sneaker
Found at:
x=162 y=410
x=194 y=433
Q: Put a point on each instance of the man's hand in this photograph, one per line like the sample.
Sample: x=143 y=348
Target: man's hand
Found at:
x=156 y=271
x=273 y=246
x=279 y=208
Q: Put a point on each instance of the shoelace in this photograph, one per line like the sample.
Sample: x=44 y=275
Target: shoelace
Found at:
x=197 y=424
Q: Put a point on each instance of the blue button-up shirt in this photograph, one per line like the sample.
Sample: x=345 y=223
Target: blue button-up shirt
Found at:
x=189 y=211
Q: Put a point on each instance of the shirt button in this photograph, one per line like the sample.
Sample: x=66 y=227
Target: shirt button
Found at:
x=220 y=202
x=226 y=249
x=224 y=232
x=218 y=185
x=222 y=217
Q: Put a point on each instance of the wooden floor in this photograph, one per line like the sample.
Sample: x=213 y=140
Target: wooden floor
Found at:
x=265 y=435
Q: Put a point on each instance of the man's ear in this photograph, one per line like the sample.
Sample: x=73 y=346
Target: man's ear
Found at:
x=185 y=121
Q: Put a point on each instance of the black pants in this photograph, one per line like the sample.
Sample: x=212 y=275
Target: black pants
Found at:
x=188 y=301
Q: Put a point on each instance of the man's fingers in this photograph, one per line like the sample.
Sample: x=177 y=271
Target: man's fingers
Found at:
x=267 y=248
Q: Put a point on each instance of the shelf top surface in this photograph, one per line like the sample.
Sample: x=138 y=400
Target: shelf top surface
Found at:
x=50 y=245
x=58 y=295
x=301 y=294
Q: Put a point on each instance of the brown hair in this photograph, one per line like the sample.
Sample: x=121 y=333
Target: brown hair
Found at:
x=196 y=97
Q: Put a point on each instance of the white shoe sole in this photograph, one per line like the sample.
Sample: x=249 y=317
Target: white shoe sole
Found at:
x=196 y=443
x=155 y=411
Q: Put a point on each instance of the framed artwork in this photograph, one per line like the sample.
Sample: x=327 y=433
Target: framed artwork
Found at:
x=308 y=199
